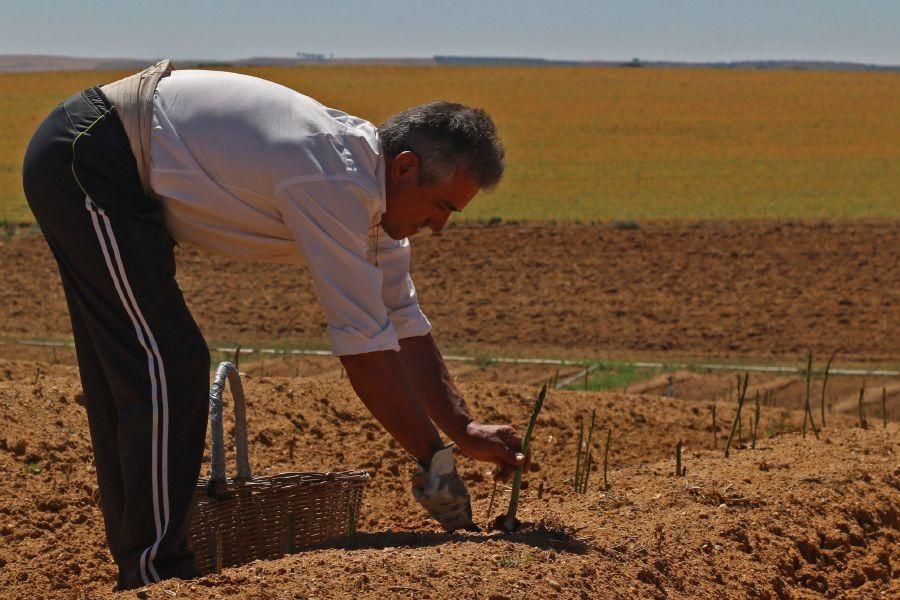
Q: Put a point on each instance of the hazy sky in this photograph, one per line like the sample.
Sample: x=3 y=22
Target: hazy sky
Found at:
x=684 y=30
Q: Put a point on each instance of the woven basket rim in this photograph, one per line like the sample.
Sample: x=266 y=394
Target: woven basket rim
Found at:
x=298 y=478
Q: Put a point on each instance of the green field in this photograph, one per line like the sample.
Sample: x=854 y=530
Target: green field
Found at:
x=600 y=144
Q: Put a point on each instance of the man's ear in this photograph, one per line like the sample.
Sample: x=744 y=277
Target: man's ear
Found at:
x=405 y=166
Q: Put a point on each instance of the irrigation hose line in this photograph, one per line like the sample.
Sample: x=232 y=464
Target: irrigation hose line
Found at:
x=573 y=378
x=589 y=365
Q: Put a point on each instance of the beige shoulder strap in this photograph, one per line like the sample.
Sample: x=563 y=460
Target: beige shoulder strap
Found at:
x=132 y=98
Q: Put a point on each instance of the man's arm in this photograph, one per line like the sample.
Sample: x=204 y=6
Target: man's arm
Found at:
x=407 y=390
x=381 y=383
x=434 y=390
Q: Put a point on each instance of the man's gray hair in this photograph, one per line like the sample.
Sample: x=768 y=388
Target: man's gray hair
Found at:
x=446 y=136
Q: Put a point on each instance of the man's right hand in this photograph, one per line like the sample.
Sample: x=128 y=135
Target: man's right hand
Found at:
x=442 y=492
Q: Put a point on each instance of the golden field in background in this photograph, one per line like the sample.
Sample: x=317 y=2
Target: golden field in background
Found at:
x=605 y=143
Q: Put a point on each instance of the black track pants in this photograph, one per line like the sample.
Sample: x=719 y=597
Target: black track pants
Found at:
x=144 y=364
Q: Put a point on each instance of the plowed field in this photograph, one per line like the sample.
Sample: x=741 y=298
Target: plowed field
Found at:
x=763 y=290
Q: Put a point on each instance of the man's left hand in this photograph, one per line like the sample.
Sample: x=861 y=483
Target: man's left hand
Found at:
x=499 y=444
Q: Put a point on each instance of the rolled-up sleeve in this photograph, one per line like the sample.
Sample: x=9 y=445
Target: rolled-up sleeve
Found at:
x=330 y=222
x=398 y=291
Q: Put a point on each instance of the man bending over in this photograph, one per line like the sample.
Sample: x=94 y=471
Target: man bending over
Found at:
x=116 y=175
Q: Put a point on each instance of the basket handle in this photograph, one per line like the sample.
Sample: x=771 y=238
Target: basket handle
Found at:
x=228 y=371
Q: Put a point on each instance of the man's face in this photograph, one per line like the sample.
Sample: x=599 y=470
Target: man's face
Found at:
x=411 y=206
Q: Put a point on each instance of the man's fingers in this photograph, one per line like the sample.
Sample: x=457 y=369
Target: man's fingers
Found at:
x=513 y=445
x=513 y=439
x=505 y=472
x=527 y=462
x=499 y=444
x=512 y=457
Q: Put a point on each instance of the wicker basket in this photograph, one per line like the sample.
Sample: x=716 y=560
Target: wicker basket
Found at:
x=235 y=521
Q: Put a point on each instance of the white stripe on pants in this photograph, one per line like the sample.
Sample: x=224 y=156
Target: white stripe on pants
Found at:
x=157 y=373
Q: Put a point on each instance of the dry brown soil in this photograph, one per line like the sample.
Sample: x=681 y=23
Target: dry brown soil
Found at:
x=763 y=290
x=795 y=518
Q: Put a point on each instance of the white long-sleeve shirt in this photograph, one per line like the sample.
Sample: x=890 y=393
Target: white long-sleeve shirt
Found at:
x=256 y=171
